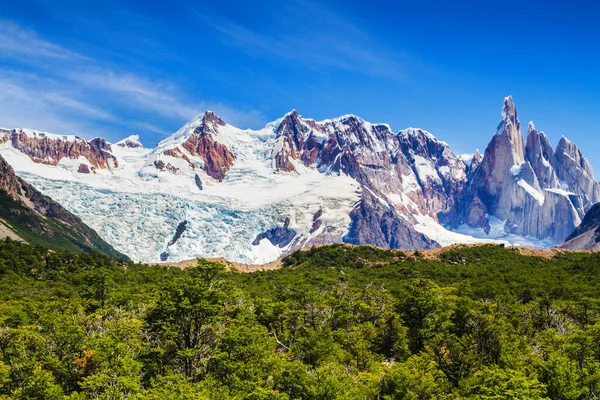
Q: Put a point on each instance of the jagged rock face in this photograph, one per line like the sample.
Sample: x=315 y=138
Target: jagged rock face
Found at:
x=164 y=256
x=316 y=221
x=587 y=235
x=441 y=174
x=378 y=224
x=505 y=151
x=574 y=170
x=540 y=154
x=538 y=192
x=295 y=140
x=363 y=151
x=474 y=164
x=369 y=153
x=217 y=157
x=46 y=149
x=8 y=180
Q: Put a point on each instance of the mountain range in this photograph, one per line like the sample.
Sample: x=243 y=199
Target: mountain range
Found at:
x=214 y=190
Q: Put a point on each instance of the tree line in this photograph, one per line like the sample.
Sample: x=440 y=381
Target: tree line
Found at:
x=336 y=322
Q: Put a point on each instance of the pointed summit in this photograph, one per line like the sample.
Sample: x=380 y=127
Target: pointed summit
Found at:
x=509 y=128
x=292 y=113
x=509 y=111
x=210 y=117
x=132 y=141
x=540 y=155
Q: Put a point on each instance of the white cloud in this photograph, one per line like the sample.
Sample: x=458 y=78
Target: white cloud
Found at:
x=140 y=93
x=77 y=93
x=22 y=106
x=21 y=43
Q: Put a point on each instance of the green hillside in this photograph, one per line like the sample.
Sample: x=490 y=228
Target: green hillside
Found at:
x=336 y=322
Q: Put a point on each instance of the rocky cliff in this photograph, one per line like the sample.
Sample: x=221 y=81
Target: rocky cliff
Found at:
x=587 y=235
x=51 y=149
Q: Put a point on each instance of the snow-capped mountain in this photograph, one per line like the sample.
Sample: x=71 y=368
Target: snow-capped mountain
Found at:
x=214 y=190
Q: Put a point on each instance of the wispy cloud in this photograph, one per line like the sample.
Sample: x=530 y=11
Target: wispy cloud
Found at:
x=77 y=94
x=18 y=42
x=139 y=92
x=161 y=97
x=22 y=106
x=319 y=38
x=54 y=99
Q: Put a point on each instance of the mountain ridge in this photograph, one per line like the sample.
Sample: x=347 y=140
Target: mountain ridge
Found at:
x=369 y=185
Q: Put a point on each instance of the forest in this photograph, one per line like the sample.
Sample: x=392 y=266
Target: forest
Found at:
x=335 y=322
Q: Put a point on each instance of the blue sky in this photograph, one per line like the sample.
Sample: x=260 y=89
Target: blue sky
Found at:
x=113 y=68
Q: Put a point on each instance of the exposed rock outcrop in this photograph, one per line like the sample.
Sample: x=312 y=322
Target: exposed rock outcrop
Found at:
x=295 y=139
x=587 y=235
x=575 y=172
x=50 y=149
x=540 y=155
x=375 y=222
x=441 y=174
x=198 y=181
x=178 y=232
x=316 y=221
x=164 y=256
x=279 y=236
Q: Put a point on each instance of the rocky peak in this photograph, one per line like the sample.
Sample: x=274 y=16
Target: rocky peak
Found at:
x=567 y=149
x=440 y=173
x=509 y=111
x=355 y=132
x=207 y=123
x=131 y=142
x=510 y=129
x=540 y=154
x=293 y=128
x=475 y=160
x=575 y=171
x=295 y=139
x=423 y=143
x=212 y=119
x=505 y=151
x=218 y=158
